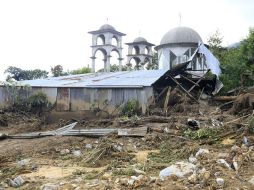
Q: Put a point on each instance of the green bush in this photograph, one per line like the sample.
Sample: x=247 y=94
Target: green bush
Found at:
x=130 y=108
x=202 y=133
x=38 y=102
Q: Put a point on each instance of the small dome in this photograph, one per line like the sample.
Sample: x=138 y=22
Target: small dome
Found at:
x=181 y=35
x=140 y=39
x=107 y=27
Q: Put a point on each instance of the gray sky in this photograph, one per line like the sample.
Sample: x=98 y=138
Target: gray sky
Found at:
x=44 y=33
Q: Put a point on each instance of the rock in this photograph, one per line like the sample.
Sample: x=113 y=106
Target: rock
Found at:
x=245 y=141
x=251 y=180
x=23 y=162
x=220 y=181
x=76 y=153
x=88 y=146
x=130 y=182
x=65 y=151
x=202 y=152
x=179 y=169
x=224 y=163
x=193 y=159
x=17 y=182
x=118 y=148
x=50 y=186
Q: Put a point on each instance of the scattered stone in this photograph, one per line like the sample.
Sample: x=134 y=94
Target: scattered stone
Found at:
x=17 y=182
x=50 y=186
x=76 y=153
x=118 y=148
x=202 y=152
x=251 y=180
x=220 y=181
x=224 y=163
x=193 y=159
x=179 y=169
x=65 y=151
x=88 y=146
x=23 y=162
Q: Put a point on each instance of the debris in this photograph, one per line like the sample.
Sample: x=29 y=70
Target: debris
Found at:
x=137 y=171
x=76 y=153
x=133 y=132
x=223 y=162
x=65 y=151
x=192 y=159
x=23 y=162
x=17 y=182
x=49 y=186
x=245 y=141
x=88 y=146
x=179 y=169
x=201 y=152
x=220 y=181
x=193 y=124
x=3 y=136
x=251 y=180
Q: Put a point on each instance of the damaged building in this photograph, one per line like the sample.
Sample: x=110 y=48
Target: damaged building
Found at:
x=184 y=61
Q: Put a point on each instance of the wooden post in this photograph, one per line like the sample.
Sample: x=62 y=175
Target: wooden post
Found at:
x=166 y=99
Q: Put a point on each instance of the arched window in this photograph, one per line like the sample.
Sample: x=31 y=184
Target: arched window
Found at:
x=135 y=50
x=100 y=40
x=114 y=41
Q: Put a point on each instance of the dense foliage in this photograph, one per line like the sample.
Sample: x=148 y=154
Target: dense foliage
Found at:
x=19 y=74
x=237 y=62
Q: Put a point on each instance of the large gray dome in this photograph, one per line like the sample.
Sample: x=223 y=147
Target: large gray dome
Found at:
x=107 y=27
x=181 y=35
x=140 y=39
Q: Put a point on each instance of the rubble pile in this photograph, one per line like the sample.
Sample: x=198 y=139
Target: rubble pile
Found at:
x=204 y=149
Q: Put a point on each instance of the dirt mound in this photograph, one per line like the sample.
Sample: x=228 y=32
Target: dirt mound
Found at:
x=243 y=104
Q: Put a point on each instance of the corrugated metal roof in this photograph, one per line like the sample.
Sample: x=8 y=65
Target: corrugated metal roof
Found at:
x=124 y=79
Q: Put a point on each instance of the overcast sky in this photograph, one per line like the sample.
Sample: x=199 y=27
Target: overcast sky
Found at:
x=44 y=33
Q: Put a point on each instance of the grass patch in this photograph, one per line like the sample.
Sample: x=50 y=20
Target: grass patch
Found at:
x=171 y=152
x=203 y=133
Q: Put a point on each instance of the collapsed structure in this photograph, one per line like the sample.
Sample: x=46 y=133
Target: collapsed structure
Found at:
x=184 y=61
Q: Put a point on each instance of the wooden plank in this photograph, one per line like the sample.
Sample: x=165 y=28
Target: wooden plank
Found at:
x=167 y=98
x=184 y=89
x=133 y=132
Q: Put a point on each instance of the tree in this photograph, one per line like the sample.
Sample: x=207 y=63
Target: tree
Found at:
x=154 y=65
x=215 y=44
x=114 y=68
x=20 y=74
x=57 y=71
x=82 y=70
x=238 y=65
x=247 y=48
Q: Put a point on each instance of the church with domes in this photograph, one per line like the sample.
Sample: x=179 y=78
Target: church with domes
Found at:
x=177 y=46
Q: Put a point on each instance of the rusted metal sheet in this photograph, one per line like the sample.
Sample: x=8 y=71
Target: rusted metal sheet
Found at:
x=63 y=99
